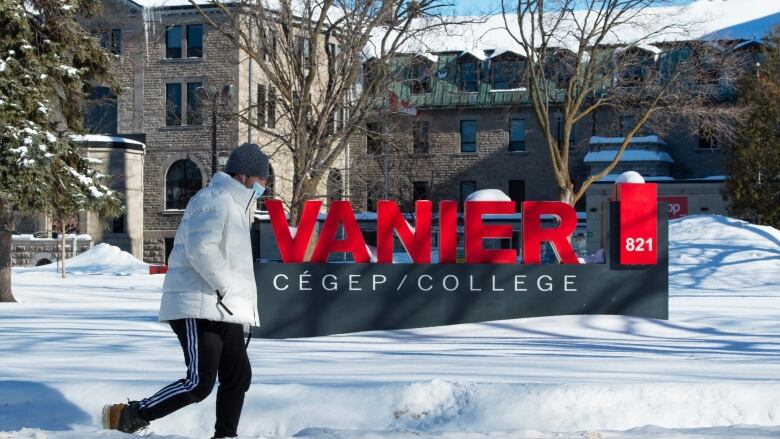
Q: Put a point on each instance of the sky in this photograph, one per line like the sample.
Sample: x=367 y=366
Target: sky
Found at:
x=467 y=7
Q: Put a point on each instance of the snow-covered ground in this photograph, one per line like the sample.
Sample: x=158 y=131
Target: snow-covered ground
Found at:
x=712 y=370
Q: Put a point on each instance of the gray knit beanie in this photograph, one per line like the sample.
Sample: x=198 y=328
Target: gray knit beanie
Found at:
x=249 y=160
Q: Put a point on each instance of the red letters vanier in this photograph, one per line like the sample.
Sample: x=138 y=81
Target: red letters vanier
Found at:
x=640 y=207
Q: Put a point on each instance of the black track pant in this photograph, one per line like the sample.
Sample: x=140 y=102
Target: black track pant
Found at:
x=211 y=350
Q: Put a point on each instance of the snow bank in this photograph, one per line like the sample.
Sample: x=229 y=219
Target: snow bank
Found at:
x=100 y=259
x=711 y=370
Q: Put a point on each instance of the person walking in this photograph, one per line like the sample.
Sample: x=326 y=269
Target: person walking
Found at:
x=209 y=299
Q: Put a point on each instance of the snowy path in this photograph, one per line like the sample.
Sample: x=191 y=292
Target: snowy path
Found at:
x=75 y=344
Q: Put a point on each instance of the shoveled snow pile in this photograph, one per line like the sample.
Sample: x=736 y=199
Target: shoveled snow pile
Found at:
x=710 y=371
x=100 y=259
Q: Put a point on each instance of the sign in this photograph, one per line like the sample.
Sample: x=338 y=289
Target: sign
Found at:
x=299 y=298
x=678 y=206
x=398 y=105
x=638 y=223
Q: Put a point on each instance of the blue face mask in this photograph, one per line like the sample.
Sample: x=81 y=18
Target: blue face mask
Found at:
x=259 y=189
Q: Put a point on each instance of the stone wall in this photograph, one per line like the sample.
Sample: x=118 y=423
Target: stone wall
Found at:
x=30 y=252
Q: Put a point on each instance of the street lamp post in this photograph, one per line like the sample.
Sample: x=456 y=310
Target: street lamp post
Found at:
x=219 y=96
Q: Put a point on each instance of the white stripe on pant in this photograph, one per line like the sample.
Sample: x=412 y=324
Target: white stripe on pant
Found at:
x=192 y=371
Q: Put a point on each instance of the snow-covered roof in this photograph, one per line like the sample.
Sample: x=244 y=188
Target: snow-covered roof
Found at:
x=619 y=140
x=105 y=139
x=631 y=155
x=701 y=19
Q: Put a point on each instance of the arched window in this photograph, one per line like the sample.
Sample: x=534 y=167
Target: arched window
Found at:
x=269 y=190
x=182 y=181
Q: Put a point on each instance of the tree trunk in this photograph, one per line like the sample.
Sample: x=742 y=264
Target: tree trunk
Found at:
x=567 y=195
x=62 y=254
x=6 y=224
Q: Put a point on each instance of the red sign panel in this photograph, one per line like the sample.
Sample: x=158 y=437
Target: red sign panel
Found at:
x=678 y=206
x=638 y=223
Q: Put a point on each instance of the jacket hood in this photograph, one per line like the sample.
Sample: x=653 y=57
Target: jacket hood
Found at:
x=241 y=195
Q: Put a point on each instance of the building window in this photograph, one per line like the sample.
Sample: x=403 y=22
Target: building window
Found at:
x=467 y=188
x=373 y=139
x=419 y=77
x=118 y=224
x=468 y=76
x=304 y=52
x=261 y=106
x=468 y=136
x=374 y=192
x=173 y=42
x=111 y=40
x=195 y=41
x=173 y=104
x=267 y=44
x=100 y=112
x=507 y=74
x=194 y=104
x=420 y=133
x=182 y=181
x=517 y=193
x=271 y=104
x=421 y=190
x=517 y=134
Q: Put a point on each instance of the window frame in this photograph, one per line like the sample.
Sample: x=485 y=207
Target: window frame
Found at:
x=196 y=178
x=174 y=116
x=511 y=84
x=169 y=40
x=190 y=46
x=463 y=142
x=472 y=83
x=195 y=108
x=519 y=145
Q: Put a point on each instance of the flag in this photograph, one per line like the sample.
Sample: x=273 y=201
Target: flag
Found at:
x=398 y=105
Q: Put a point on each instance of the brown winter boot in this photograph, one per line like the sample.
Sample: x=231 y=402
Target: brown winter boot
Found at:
x=123 y=417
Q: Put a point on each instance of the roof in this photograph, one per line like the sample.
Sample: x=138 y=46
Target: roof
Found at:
x=629 y=155
x=704 y=20
x=619 y=140
x=98 y=138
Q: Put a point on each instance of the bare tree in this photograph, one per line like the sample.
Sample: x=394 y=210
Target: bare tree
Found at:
x=595 y=56
x=327 y=64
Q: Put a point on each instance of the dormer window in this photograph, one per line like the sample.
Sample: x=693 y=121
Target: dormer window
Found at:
x=419 y=76
x=507 y=71
x=559 y=67
x=468 y=74
x=635 y=65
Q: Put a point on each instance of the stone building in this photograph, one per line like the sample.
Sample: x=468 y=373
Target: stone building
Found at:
x=177 y=75
x=459 y=121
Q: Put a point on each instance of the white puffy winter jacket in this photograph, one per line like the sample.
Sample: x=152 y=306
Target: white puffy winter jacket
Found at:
x=212 y=251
